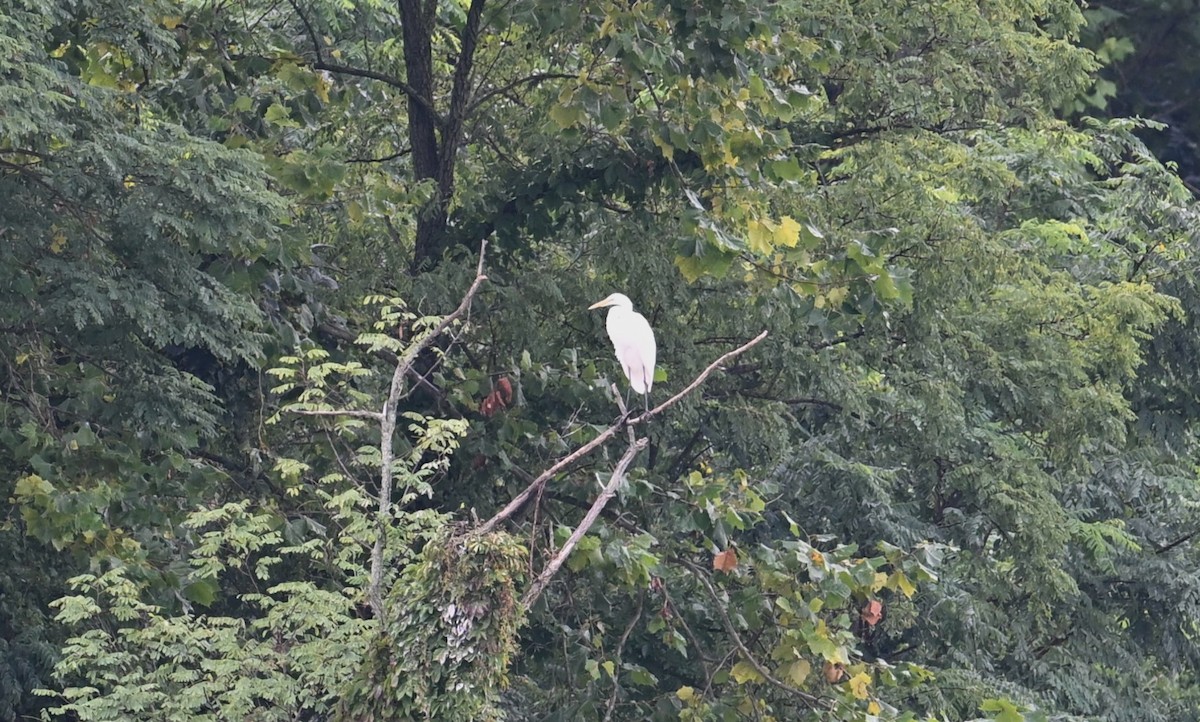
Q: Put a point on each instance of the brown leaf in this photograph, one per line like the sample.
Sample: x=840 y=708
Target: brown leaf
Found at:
x=833 y=672
x=725 y=561
x=872 y=612
x=505 y=390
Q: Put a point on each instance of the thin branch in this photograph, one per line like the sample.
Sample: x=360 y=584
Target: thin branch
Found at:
x=718 y=604
x=845 y=338
x=699 y=380
x=391 y=156
x=1171 y=545
x=391 y=80
x=610 y=489
x=357 y=413
x=533 y=79
x=342 y=333
x=637 y=615
x=520 y=499
x=323 y=64
x=24 y=151
x=705 y=658
x=308 y=27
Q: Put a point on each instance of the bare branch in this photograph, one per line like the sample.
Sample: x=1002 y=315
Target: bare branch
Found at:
x=520 y=499
x=539 y=584
x=699 y=379
x=533 y=79
x=387 y=431
x=356 y=413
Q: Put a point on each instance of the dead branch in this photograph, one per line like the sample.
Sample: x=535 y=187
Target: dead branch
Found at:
x=618 y=475
x=699 y=380
x=521 y=499
x=387 y=430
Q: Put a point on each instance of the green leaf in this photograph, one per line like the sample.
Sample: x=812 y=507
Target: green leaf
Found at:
x=1002 y=710
x=744 y=672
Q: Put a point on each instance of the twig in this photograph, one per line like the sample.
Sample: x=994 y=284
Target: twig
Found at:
x=357 y=413
x=618 y=475
x=637 y=615
x=534 y=78
x=520 y=499
x=809 y=699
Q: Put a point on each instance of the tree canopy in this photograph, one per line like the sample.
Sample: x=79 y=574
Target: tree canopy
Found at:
x=304 y=416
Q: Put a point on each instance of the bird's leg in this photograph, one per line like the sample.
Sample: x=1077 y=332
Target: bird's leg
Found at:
x=646 y=401
x=621 y=403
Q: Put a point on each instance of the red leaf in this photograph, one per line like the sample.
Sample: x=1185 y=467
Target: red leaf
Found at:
x=872 y=612
x=504 y=390
x=725 y=561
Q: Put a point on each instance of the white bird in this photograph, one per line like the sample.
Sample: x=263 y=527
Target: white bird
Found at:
x=633 y=340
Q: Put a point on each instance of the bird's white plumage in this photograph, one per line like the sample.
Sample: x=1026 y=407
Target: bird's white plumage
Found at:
x=632 y=339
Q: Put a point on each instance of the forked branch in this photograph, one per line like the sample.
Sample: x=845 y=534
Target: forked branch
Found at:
x=539 y=584
x=562 y=464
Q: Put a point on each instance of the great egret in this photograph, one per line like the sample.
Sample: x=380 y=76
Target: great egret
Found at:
x=633 y=340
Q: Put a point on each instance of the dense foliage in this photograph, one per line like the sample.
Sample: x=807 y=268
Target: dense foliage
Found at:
x=262 y=423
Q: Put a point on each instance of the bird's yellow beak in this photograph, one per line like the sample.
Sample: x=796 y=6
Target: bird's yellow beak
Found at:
x=601 y=304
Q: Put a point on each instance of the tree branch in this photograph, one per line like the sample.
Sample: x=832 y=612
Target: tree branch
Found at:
x=387 y=431
x=533 y=79
x=699 y=380
x=391 y=80
x=322 y=64
x=718 y=604
x=637 y=615
x=356 y=413
x=520 y=499
x=1171 y=545
x=618 y=475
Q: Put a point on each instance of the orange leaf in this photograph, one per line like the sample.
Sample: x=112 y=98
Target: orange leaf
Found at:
x=725 y=561
x=504 y=391
x=872 y=612
x=833 y=672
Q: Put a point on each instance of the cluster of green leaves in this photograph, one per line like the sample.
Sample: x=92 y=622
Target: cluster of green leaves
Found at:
x=130 y=257
x=293 y=640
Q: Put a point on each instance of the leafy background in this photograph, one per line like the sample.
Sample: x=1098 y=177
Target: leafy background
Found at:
x=957 y=480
